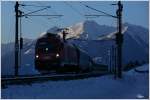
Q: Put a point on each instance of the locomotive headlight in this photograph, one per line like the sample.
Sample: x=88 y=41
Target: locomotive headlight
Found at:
x=46 y=49
x=57 y=55
x=37 y=56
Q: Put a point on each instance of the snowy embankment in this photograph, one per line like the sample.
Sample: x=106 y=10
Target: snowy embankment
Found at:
x=132 y=85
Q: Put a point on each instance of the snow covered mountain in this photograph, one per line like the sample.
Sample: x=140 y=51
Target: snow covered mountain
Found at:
x=83 y=30
x=100 y=42
x=135 y=47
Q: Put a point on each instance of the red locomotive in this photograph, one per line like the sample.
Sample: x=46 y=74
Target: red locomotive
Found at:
x=53 y=53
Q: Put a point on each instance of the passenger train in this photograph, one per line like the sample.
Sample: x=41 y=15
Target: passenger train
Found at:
x=53 y=53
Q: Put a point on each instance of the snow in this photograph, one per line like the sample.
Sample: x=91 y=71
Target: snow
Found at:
x=112 y=35
x=141 y=68
x=133 y=85
x=28 y=51
x=42 y=34
x=74 y=31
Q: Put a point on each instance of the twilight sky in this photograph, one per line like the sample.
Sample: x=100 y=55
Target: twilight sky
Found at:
x=134 y=12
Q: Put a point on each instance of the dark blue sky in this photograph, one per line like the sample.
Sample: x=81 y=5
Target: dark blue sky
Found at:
x=134 y=12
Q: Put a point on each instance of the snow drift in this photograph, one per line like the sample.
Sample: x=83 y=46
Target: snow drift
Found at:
x=133 y=85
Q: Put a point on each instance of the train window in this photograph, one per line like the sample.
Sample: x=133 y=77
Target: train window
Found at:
x=42 y=43
x=45 y=47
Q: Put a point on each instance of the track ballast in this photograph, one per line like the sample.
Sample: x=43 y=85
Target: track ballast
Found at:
x=29 y=79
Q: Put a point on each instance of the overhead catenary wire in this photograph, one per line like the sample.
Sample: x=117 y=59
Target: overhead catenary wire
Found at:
x=35 y=11
x=99 y=10
x=46 y=7
x=44 y=16
x=79 y=13
x=34 y=5
x=85 y=11
x=104 y=14
x=52 y=16
x=34 y=20
x=51 y=7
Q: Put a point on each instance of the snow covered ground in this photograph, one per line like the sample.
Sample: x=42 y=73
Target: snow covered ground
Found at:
x=133 y=85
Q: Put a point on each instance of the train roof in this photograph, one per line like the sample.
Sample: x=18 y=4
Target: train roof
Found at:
x=46 y=35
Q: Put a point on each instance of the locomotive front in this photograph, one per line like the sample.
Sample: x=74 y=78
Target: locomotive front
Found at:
x=47 y=52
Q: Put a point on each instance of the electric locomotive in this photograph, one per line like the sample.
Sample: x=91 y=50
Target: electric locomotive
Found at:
x=52 y=53
x=47 y=52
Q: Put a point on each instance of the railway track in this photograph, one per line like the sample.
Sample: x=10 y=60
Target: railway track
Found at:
x=29 y=79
